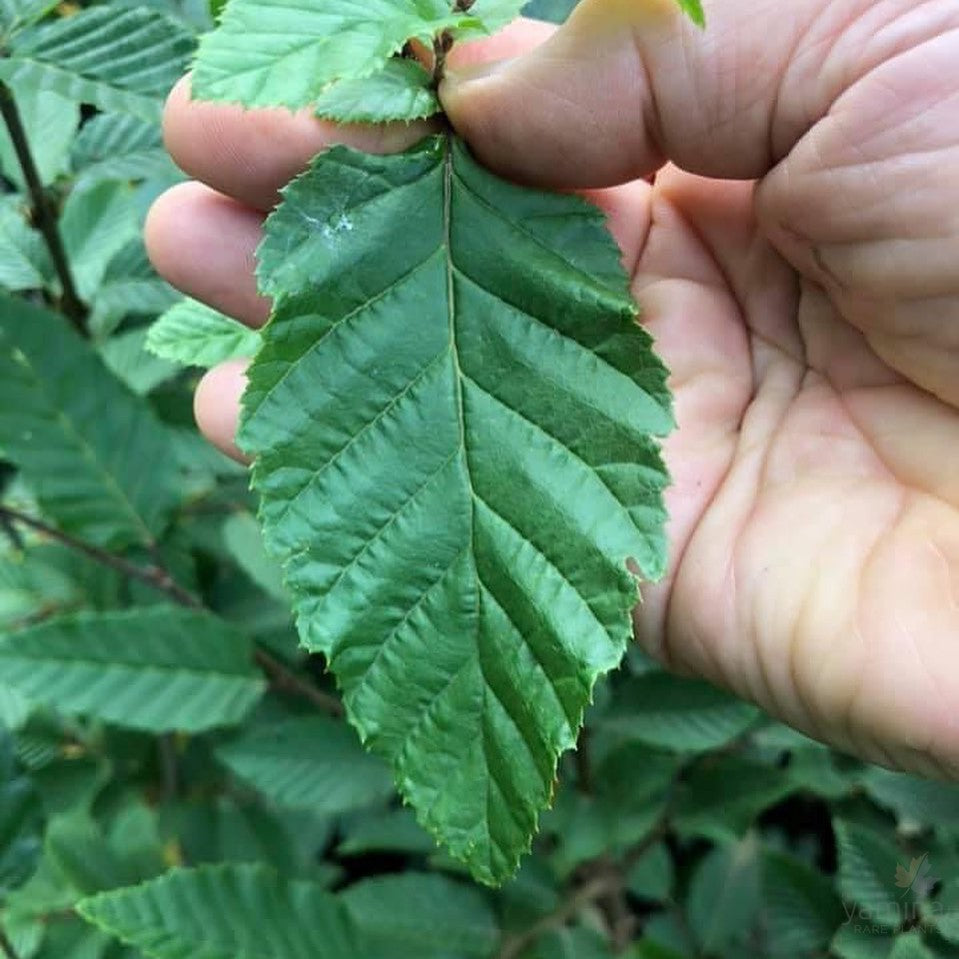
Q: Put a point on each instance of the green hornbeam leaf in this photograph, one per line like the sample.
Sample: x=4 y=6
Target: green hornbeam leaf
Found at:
x=694 y=10
x=97 y=460
x=422 y=916
x=226 y=912
x=455 y=459
x=79 y=852
x=123 y=60
x=312 y=762
x=652 y=877
x=402 y=90
x=156 y=669
x=31 y=588
x=17 y=14
x=392 y=830
x=50 y=123
x=284 y=52
x=193 y=334
x=24 y=262
x=682 y=715
x=722 y=799
x=868 y=872
x=911 y=946
x=801 y=909
x=96 y=224
x=127 y=357
x=724 y=895
x=117 y=146
x=855 y=940
x=916 y=802
x=244 y=539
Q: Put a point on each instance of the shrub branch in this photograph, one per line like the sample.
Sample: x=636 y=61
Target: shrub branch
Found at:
x=44 y=215
x=157 y=578
x=609 y=882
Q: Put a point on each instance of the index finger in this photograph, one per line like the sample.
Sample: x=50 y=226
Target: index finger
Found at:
x=250 y=155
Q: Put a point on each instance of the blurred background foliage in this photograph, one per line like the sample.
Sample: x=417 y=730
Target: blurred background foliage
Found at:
x=155 y=711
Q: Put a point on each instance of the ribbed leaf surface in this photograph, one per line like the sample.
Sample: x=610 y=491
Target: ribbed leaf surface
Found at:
x=124 y=60
x=313 y=762
x=227 y=912
x=452 y=417
x=283 y=52
x=402 y=90
x=24 y=262
x=193 y=334
x=154 y=669
x=98 y=461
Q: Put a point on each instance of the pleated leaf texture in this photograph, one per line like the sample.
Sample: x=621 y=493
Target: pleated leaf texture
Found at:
x=453 y=419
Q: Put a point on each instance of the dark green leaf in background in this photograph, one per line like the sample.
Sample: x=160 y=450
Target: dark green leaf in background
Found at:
x=422 y=916
x=678 y=714
x=313 y=762
x=99 y=462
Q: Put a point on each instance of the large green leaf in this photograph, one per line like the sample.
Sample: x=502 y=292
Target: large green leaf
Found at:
x=313 y=762
x=452 y=417
x=154 y=669
x=122 y=60
x=231 y=912
x=98 y=461
x=284 y=52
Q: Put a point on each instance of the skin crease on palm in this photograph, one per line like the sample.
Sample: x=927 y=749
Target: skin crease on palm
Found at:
x=802 y=283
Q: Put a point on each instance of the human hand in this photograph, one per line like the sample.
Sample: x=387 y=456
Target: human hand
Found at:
x=802 y=282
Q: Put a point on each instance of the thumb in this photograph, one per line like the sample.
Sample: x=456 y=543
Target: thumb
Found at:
x=628 y=84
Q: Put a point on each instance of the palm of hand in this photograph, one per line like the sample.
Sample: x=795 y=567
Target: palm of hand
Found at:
x=815 y=533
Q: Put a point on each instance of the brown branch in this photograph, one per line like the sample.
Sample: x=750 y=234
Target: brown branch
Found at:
x=609 y=882
x=285 y=679
x=159 y=579
x=44 y=214
x=442 y=44
x=153 y=576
